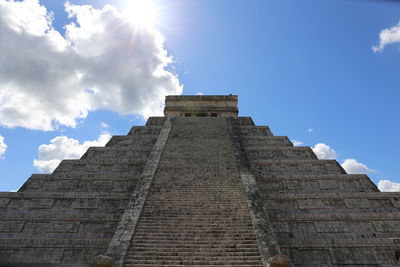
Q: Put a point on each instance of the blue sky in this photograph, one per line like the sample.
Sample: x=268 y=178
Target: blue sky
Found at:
x=305 y=68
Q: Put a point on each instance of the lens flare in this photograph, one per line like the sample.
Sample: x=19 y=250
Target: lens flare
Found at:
x=141 y=12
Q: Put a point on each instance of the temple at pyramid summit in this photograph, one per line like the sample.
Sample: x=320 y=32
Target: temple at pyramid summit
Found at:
x=200 y=186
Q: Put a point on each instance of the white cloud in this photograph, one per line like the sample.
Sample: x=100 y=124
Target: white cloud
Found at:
x=3 y=147
x=63 y=147
x=388 y=36
x=104 y=125
x=296 y=143
x=102 y=62
x=310 y=130
x=46 y=166
x=352 y=166
x=388 y=186
x=199 y=93
x=324 y=151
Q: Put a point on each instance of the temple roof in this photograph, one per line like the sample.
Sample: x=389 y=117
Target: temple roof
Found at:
x=201 y=105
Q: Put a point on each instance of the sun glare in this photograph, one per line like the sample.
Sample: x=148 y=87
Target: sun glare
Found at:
x=141 y=12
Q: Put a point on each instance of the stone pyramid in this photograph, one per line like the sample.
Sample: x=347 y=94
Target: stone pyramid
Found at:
x=199 y=187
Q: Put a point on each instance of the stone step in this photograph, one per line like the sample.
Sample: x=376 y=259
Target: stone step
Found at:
x=199 y=253
x=165 y=214
x=345 y=256
x=197 y=208
x=213 y=192
x=191 y=229
x=270 y=168
x=252 y=130
x=188 y=217
x=344 y=242
x=95 y=154
x=133 y=141
x=64 y=215
x=196 y=204
x=244 y=121
x=183 y=247
x=255 y=142
x=185 y=262
x=214 y=258
x=206 y=236
x=90 y=184
x=122 y=149
x=182 y=224
x=53 y=243
x=216 y=194
x=317 y=182
x=281 y=215
x=300 y=234
x=337 y=215
x=77 y=164
x=145 y=130
x=330 y=206
x=35 y=182
x=74 y=231
x=193 y=243
x=155 y=121
x=191 y=265
x=82 y=167
x=111 y=175
x=14 y=205
x=342 y=251
x=210 y=264
x=159 y=235
x=74 y=195
x=232 y=249
x=393 y=196
x=178 y=212
x=280 y=153
x=212 y=200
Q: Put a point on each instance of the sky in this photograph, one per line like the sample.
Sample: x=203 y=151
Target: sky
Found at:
x=324 y=73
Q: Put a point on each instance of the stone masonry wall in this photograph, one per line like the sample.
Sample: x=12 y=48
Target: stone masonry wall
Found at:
x=70 y=216
x=321 y=216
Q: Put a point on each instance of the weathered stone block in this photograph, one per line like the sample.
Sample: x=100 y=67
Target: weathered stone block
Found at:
x=331 y=227
x=351 y=255
x=310 y=256
x=11 y=226
x=310 y=204
x=85 y=204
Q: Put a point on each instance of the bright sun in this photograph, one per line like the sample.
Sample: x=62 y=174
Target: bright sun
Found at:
x=141 y=12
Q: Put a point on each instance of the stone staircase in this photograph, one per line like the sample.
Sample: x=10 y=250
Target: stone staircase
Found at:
x=196 y=213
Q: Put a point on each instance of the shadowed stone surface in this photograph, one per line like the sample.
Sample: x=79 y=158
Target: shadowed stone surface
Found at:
x=70 y=216
x=200 y=191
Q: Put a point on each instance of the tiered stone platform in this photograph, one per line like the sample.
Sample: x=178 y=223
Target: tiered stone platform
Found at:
x=199 y=187
x=320 y=215
x=70 y=216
